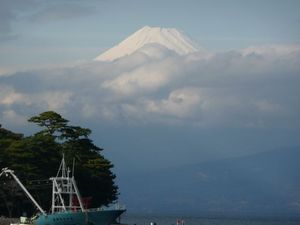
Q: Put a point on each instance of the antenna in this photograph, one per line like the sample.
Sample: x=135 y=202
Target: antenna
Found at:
x=73 y=167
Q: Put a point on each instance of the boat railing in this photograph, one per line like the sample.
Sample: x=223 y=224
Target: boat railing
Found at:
x=116 y=206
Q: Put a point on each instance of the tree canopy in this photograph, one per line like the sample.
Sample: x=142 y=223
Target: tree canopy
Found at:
x=36 y=158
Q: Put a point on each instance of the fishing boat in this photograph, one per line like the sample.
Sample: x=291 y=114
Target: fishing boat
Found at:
x=67 y=205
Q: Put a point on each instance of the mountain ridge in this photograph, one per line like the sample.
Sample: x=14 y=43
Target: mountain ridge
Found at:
x=256 y=184
x=170 y=38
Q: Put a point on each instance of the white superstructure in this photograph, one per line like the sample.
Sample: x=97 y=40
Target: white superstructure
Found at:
x=65 y=191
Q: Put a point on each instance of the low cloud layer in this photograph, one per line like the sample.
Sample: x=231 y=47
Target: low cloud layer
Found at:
x=254 y=87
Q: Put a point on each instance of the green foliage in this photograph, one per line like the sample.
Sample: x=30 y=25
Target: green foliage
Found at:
x=37 y=157
x=51 y=121
x=6 y=139
x=34 y=157
x=9 y=192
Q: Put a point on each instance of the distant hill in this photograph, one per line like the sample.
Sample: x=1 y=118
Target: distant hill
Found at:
x=159 y=39
x=266 y=183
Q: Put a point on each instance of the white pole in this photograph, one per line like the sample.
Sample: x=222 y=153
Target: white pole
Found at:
x=11 y=172
x=78 y=194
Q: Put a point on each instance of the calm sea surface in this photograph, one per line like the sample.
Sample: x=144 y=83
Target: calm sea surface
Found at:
x=171 y=220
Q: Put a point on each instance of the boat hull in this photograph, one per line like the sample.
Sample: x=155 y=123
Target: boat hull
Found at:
x=92 y=217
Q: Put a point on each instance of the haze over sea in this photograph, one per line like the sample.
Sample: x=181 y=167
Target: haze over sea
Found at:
x=193 y=220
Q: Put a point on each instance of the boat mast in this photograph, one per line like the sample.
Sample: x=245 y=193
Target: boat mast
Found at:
x=11 y=172
x=64 y=188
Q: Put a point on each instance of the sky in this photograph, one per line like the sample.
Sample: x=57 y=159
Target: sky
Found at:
x=241 y=100
x=42 y=32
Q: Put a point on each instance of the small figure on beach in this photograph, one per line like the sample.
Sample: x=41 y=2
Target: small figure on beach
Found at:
x=180 y=222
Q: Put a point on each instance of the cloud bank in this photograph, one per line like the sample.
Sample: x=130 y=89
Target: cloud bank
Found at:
x=254 y=87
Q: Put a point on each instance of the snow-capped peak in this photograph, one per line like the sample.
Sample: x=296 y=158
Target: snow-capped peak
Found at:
x=167 y=37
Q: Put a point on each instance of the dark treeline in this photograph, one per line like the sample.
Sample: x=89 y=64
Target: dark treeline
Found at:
x=37 y=157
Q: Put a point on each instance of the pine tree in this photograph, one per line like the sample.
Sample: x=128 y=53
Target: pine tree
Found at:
x=36 y=158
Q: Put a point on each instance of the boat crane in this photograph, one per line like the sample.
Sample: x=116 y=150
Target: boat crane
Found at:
x=64 y=189
x=7 y=172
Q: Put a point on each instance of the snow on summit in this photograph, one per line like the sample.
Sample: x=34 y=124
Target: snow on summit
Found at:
x=169 y=38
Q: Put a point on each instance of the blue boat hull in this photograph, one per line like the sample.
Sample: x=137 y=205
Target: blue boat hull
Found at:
x=94 y=217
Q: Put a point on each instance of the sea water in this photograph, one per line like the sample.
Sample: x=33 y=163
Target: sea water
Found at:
x=193 y=220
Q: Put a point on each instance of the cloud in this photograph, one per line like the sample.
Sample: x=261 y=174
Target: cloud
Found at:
x=272 y=50
x=12 y=99
x=12 y=117
x=8 y=15
x=244 y=88
x=180 y=109
x=8 y=96
x=61 y=11
x=14 y=11
x=149 y=77
x=54 y=100
x=179 y=103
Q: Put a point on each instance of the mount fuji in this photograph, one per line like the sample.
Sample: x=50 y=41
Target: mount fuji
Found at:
x=151 y=40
